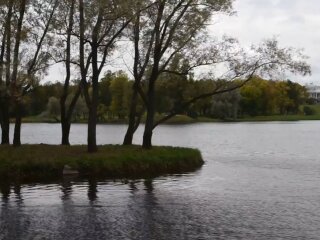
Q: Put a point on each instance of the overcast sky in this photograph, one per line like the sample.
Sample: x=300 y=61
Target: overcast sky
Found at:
x=294 y=23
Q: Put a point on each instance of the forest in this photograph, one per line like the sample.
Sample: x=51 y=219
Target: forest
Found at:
x=168 y=44
x=258 y=98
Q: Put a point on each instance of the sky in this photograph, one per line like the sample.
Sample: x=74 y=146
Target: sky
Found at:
x=295 y=23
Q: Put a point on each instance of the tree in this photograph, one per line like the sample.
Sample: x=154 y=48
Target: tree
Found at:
x=6 y=54
x=105 y=93
x=163 y=30
x=268 y=97
x=53 y=107
x=119 y=87
x=282 y=100
x=174 y=87
x=36 y=62
x=100 y=25
x=140 y=37
x=14 y=76
x=265 y=59
x=67 y=110
x=225 y=106
x=23 y=38
x=297 y=94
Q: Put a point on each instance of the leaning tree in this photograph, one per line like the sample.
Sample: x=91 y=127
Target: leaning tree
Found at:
x=239 y=67
x=169 y=29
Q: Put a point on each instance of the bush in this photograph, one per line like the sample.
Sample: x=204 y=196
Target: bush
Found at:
x=308 y=111
x=311 y=101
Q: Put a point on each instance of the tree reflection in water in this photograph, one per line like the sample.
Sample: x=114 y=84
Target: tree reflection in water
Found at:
x=66 y=187
x=5 y=190
x=92 y=190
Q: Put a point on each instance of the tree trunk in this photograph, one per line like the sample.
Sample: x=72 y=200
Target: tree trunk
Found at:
x=1 y=118
x=148 y=131
x=92 y=125
x=2 y=52
x=93 y=116
x=129 y=135
x=18 y=110
x=132 y=119
x=64 y=121
x=17 y=126
x=65 y=117
x=92 y=121
x=5 y=139
x=133 y=125
x=1 y=112
x=65 y=126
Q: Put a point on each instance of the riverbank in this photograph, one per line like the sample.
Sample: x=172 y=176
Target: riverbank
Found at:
x=279 y=118
x=183 y=119
x=42 y=162
x=179 y=119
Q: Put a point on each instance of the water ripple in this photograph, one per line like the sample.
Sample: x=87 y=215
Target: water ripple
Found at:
x=260 y=181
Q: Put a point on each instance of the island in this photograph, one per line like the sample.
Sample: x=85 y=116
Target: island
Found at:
x=47 y=162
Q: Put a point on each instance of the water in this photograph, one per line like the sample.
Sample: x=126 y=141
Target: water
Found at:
x=260 y=181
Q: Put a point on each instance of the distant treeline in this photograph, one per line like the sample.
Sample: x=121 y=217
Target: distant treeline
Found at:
x=258 y=97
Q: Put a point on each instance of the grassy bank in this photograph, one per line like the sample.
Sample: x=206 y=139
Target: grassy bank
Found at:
x=179 y=119
x=279 y=118
x=47 y=162
x=183 y=119
x=297 y=117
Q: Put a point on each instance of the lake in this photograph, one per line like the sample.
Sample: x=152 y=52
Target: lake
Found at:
x=260 y=181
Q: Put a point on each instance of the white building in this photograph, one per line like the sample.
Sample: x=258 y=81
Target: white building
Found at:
x=314 y=92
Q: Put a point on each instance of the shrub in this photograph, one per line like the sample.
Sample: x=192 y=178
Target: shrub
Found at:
x=308 y=111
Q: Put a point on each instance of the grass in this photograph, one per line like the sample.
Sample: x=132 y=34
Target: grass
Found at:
x=179 y=119
x=43 y=162
x=36 y=119
x=296 y=117
x=279 y=118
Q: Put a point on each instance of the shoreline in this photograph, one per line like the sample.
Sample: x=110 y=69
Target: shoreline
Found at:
x=278 y=118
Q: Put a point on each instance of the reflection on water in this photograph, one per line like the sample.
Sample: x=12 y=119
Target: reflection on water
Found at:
x=69 y=215
x=5 y=190
x=92 y=190
x=260 y=181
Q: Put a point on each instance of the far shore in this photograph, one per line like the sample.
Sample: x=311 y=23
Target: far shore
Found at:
x=183 y=119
